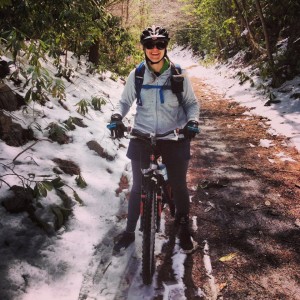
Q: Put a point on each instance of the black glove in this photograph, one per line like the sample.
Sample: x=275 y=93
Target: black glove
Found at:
x=191 y=129
x=116 y=126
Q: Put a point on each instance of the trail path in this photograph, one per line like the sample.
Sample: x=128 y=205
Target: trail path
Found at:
x=245 y=210
x=246 y=207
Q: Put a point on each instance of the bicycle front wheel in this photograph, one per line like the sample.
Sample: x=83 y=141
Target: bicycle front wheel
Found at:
x=149 y=229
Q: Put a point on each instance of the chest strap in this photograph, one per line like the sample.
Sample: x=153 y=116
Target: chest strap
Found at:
x=161 y=88
x=176 y=83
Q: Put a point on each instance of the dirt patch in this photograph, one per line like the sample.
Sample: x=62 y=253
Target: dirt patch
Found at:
x=95 y=146
x=245 y=198
x=67 y=166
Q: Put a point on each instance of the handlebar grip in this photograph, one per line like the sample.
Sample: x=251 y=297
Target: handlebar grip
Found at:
x=111 y=125
x=193 y=129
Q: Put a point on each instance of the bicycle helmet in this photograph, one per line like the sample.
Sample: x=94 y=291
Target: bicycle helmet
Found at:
x=154 y=33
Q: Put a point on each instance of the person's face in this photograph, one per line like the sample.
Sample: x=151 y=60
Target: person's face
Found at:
x=155 y=50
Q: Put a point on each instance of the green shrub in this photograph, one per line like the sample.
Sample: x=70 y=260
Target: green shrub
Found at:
x=97 y=102
x=82 y=106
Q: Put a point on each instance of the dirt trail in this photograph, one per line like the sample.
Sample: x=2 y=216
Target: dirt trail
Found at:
x=246 y=199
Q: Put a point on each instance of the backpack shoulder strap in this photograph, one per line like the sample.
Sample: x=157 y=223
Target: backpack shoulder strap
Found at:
x=176 y=69
x=177 y=81
x=139 y=78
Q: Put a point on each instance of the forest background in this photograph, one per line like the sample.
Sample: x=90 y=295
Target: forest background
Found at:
x=107 y=33
x=104 y=35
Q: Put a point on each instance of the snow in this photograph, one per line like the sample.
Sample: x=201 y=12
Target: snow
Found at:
x=209 y=270
x=61 y=267
x=284 y=116
x=265 y=143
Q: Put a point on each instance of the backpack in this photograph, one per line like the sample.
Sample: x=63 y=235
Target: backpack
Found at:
x=176 y=83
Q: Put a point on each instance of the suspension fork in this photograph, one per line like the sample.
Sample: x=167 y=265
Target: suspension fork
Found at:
x=150 y=181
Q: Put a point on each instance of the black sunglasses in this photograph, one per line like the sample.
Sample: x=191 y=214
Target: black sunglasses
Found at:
x=160 y=45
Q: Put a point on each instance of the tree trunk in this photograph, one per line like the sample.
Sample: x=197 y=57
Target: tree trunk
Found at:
x=142 y=14
x=94 y=55
x=127 y=12
x=255 y=46
x=266 y=35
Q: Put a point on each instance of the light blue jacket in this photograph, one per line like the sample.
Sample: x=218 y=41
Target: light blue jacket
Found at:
x=153 y=116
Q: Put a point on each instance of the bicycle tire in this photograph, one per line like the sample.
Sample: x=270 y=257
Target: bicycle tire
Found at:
x=149 y=230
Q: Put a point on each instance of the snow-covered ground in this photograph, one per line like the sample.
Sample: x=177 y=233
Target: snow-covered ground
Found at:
x=284 y=115
x=34 y=266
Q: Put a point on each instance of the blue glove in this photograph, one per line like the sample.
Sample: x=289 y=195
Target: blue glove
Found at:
x=191 y=129
x=116 y=126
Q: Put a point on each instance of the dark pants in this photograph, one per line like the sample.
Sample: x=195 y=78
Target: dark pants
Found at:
x=175 y=155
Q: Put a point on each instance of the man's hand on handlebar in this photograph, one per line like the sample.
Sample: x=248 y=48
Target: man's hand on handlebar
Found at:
x=191 y=129
x=116 y=126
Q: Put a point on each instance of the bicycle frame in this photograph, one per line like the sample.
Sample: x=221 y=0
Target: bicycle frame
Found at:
x=154 y=195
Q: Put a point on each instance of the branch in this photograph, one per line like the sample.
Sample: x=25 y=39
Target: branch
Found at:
x=5 y=183
x=21 y=177
x=30 y=147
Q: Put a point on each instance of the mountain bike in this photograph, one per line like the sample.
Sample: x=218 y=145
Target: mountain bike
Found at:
x=155 y=195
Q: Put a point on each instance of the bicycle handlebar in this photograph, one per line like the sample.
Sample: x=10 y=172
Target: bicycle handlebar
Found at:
x=136 y=133
x=142 y=135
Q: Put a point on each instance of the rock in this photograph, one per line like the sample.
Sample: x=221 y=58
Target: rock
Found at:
x=295 y=96
x=4 y=69
x=19 y=201
x=13 y=134
x=9 y=100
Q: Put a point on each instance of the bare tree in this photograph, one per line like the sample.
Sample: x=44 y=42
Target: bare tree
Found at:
x=142 y=9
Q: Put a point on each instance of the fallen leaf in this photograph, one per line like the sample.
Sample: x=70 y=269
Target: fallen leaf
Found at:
x=228 y=257
x=222 y=286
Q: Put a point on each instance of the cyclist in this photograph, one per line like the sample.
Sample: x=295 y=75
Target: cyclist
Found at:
x=158 y=111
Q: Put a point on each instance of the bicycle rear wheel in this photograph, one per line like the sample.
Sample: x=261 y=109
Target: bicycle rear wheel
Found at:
x=149 y=229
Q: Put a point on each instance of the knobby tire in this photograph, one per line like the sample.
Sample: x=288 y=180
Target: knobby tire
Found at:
x=149 y=215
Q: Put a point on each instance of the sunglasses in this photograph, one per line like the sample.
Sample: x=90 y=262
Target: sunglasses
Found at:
x=160 y=45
